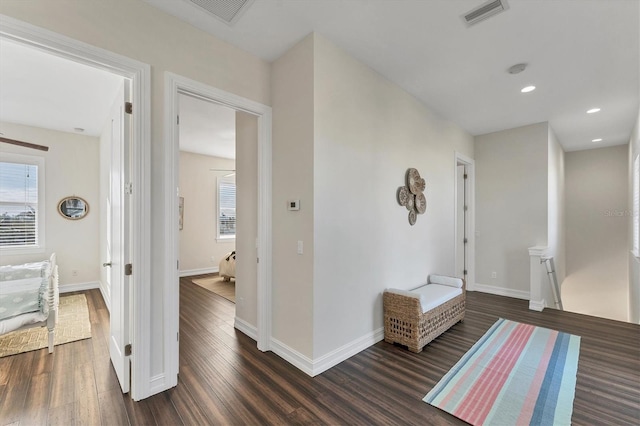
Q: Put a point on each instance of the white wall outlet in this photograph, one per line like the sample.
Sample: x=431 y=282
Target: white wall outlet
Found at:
x=74 y=272
x=300 y=247
x=494 y=274
x=213 y=259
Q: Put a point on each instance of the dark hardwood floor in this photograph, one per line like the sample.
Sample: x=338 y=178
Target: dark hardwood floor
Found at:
x=224 y=379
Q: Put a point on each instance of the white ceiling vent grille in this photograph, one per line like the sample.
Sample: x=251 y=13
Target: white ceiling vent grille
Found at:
x=484 y=11
x=228 y=11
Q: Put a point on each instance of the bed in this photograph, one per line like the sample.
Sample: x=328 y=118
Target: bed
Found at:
x=29 y=297
x=227 y=269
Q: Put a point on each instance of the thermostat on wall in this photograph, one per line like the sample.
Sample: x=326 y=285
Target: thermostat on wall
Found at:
x=293 y=205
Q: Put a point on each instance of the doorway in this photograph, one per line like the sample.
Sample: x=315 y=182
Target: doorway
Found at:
x=260 y=329
x=464 y=234
x=138 y=73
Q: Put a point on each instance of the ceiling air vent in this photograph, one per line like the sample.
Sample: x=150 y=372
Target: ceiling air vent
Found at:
x=228 y=11
x=484 y=11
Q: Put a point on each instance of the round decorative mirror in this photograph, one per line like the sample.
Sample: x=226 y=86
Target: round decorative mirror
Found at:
x=73 y=208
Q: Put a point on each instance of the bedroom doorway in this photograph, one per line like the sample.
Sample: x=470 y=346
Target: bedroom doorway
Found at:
x=253 y=219
x=134 y=323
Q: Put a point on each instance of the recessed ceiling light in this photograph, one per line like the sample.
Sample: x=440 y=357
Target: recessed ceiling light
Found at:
x=528 y=89
x=592 y=110
x=78 y=129
x=597 y=140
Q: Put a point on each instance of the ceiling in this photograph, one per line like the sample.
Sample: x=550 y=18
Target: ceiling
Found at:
x=581 y=54
x=207 y=128
x=43 y=90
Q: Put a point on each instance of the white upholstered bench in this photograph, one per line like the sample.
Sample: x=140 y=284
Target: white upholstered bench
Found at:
x=415 y=317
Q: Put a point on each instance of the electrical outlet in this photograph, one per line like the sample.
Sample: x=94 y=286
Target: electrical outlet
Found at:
x=494 y=274
x=213 y=259
x=74 y=272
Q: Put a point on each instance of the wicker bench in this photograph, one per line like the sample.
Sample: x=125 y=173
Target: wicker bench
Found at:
x=410 y=317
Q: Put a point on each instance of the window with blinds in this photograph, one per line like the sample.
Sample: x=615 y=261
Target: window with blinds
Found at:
x=226 y=208
x=636 y=206
x=21 y=218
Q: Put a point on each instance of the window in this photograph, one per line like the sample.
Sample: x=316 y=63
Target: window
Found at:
x=226 y=207
x=636 y=206
x=21 y=202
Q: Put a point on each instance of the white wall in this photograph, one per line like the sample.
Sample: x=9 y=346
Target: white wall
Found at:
x=634 y=262
x=137 y=30
x=200 y=252
x=368 y=132
x=247 y=217
x=71 y=168
x=556 y=232
x=597 y=232
x=293 y=165
x=511 y=206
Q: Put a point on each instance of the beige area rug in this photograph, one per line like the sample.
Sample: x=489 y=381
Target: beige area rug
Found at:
x=217 y=285
x=73 y=324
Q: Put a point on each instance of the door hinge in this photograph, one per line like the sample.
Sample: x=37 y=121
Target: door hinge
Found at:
x=464 y=272
x=128 y=269
x=177 y=119
x=128 y=107
x=178 y=336
x=128 y=188
x=178 y=265
x=465 y=241
x=466 y=208
x=257 y=260
x=465 y=175
x=127 y=350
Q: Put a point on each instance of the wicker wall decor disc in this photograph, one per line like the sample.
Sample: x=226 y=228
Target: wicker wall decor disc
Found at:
x=411 y=196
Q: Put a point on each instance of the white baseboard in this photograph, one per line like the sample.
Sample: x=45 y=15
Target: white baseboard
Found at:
x=335 y=357
x=501 y=291
x=292 y=356
x=246 y=328
x=201 y=271
x=325 y=362
x=68 y=288
x=537 y=305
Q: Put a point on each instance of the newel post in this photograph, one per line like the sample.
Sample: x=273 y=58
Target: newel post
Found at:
x=536 y=254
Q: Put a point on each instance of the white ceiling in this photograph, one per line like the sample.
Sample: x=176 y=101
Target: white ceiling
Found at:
x=43 y=90
x=207 y=128
x=581 y=54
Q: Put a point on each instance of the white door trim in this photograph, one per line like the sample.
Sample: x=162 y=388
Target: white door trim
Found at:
x=175 y=84
x=471 y=216
x=140 y=75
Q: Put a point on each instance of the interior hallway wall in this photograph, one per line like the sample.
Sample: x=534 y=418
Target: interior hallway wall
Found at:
x=597 y=240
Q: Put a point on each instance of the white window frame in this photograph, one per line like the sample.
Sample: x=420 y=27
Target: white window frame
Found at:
x=6 y=157
x=224 y=238
x=635 y=208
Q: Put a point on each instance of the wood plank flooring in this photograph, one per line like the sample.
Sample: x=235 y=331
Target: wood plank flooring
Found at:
x=224 y=379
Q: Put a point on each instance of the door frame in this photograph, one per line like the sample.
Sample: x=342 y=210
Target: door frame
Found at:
x=470 y=223
x=174 y=85
x=140 y=75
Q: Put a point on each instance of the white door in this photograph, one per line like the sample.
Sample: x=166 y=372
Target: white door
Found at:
x=461 y=222
x=118 y=240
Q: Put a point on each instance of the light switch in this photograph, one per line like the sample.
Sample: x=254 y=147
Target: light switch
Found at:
x=300 y=247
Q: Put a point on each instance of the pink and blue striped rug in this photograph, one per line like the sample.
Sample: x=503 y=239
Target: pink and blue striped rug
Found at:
x=516 y=374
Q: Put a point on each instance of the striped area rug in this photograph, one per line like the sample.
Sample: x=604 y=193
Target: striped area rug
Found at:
x=516 y=374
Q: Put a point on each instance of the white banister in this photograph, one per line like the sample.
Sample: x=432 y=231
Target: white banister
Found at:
x=536 y=277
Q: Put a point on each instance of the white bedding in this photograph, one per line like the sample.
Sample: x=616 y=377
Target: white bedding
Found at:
x=19 y=321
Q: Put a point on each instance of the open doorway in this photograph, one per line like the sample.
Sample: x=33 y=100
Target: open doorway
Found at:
x=134 y=227
x=253 y=205
x=207 y=195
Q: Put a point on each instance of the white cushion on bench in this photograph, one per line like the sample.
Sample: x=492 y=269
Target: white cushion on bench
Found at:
x=434 y=295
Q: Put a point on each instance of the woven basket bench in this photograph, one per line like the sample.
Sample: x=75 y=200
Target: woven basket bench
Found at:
x=405 y=322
